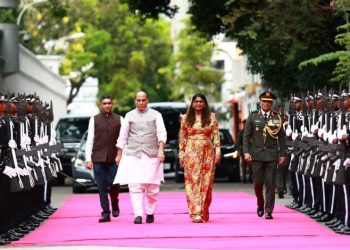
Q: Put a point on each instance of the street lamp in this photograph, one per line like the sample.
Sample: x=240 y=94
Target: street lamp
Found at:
x=27 y=6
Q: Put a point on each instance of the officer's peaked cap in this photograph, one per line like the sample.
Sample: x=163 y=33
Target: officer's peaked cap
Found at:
x=267 y=96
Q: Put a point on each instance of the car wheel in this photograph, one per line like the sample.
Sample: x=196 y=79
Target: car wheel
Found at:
x=78 y=190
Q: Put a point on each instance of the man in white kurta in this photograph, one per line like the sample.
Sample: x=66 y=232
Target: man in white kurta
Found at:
x=140 y=157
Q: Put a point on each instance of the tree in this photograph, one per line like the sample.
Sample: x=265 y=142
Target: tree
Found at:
x=276 y=36
x=125 y=54
x=342 y=71
x=193 y=68
x=151 y=8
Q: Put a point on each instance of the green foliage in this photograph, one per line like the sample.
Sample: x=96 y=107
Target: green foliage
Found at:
x=151 y=8
x=341 y=73
x=123 y=53
x=193 y=70
x=276 y=36
x=8 y=15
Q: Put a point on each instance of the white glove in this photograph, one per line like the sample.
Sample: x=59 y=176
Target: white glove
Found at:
x=289 y=131
x=346 y=163
x=304 y=131
x=342 y=132
x=10 y=172
x=19 y=171
x=36 y=139
x=324 y=157
x=294 y=136
x=325 y=136
x=320 y=132
x=12 y=143
x=25 y=171
x=314 y=127
x=28 y=140
x=332 y=139
x=46 y=139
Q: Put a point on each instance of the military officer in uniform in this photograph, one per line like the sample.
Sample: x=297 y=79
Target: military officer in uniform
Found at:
x=264 y=147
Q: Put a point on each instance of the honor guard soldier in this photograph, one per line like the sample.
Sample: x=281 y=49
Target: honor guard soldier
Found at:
x=264 y=147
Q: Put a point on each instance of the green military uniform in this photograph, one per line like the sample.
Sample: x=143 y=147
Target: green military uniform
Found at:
x=264 y=140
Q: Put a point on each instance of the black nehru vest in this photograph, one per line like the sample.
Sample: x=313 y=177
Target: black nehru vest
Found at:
x=106 y=134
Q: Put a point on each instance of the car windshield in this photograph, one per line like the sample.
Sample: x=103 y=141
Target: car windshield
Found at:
x=72 y=129
x=171 y=117
x=225 y=137
x=83 y=142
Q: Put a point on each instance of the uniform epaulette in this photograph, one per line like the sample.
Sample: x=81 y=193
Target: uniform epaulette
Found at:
x=275 y=112
x=254 y=111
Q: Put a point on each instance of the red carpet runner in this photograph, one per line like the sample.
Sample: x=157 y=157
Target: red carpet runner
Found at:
x=233 y=225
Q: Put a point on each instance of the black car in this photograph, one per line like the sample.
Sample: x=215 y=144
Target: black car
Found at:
x=171 y=112
x=228 y=167
x=84 y=177
x=70 y=130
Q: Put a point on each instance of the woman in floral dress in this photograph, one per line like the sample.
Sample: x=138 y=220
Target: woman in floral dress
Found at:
x=199 y=144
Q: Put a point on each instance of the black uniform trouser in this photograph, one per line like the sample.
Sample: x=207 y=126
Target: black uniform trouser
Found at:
x=317 y=181
x=5 y=204
x=328 y=196
x=339 y=202
x=294 y=186
x=264 y=174
x=301 y=189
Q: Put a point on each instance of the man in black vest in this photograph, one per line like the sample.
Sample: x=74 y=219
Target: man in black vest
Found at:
x=101 y=150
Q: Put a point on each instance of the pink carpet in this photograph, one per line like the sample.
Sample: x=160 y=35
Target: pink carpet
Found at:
x=233 y=225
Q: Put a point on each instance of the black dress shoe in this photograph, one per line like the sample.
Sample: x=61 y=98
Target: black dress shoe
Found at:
x=4 y=242
x=138 y=220
x=338 y=228
x=325 y=218
x=115 y=212
x=311 y=212
x=331 y=222
x=51 y=208
x=306 y=210
x=344 y=230
x=268 y=216
x=150 y=218
x=335 y=224
x=104 y=219
x=302 y=208
x=291 y=205
x=21 y=231
x=317 y=215
x=260 y=211
x=280 y=195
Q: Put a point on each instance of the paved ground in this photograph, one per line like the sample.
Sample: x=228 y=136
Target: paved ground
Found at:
x=62 y=192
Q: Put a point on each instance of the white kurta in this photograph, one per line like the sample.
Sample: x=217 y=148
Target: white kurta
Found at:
x=132 y=169
x=145 y=170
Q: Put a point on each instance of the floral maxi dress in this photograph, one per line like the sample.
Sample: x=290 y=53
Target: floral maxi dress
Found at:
x=198 y=146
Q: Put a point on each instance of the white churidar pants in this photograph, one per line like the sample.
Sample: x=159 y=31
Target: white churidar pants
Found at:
x=143 y=195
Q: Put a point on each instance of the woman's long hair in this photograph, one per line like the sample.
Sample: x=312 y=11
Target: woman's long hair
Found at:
x=191 y=115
